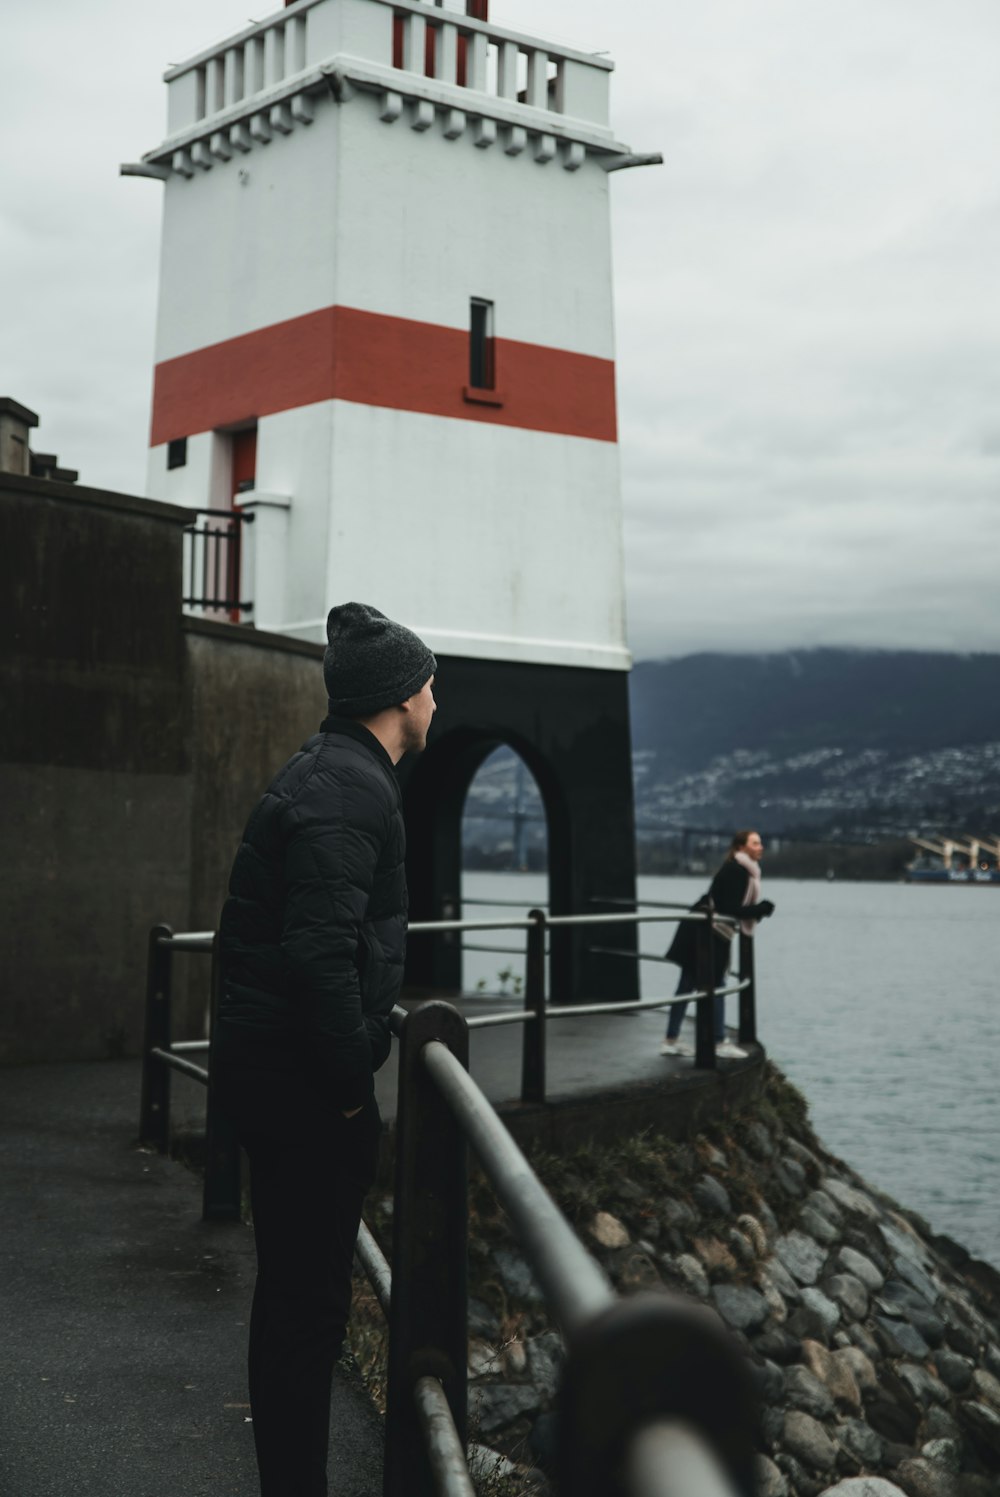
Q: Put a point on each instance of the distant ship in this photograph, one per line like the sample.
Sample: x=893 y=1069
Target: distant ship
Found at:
x=974 y=868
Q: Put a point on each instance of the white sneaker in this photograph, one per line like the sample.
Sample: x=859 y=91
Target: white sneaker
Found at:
x=729 y=1051
x=675 y=1047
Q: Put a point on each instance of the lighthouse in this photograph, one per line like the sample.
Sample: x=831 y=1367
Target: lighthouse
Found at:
x=385 y=331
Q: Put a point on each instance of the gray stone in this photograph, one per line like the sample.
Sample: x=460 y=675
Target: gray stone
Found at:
x=712 y=1196
x=897 y=1298
x=930 y=1326
x=899 y=1238
x=499 y=1404
x=694 y=1276
x=770 y=1481
x=793 y=1469
x=991 y=1356
x=840 y=1339
x=860 y=1366
x=772 y=1422
x=897 y=1338
x=954 y=1371
x=865 y=1486
x=940 y=1425
x=752 y=1229
x=913 y=1275
x=676 y=1213
x=821 y=1305
x=482 y=1321
x=924 y=1386
x=947 y=1453
x=802 y=1154
x=817 y=1226
x=778 y=1274
x=739 y=1306
x=767 y=1217
x=517 y=1277
x=849 y=1293
x=715 y=1157
x=861 y=1267
x=545 y=1361
x=862 y=1441
x=803 y=1390
x=809 y=1442
x=778 y=1345
x=984 y=1423
x=758 y=1140
x=483 y=1358
x=791 y=1176
x=486 y=1465
x=862 y=1337
x=922 y=1478
x=768 y=1380
x=802 y=1257
x=852 y=1201
x=961 y=1339
x=986 y=1387
x=819 y=1201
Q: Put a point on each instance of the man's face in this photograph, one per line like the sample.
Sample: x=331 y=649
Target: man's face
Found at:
x=420 y=709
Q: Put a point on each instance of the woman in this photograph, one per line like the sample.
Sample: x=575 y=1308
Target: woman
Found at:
x=735 y=892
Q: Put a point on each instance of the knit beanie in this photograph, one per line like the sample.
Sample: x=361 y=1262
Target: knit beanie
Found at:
x=370 y=662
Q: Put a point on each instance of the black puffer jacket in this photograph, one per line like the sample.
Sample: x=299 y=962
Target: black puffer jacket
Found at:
x=313 y=934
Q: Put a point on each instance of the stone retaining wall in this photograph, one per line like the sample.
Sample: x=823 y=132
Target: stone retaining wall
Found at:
x=874 y=1344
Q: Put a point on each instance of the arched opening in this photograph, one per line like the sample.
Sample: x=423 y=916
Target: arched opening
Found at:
x=505 y=867
x=570 y=729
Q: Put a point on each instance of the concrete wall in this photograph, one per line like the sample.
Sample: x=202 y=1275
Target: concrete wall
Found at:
x=133 y=744
x=95 y=773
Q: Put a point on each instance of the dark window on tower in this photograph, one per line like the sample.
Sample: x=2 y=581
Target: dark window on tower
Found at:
x=482 y=361
x=177 y=453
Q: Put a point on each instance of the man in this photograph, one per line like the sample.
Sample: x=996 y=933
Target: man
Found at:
x=312 y=941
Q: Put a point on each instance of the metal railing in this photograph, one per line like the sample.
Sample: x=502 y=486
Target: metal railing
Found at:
x=655 y=1397
x=213 y=550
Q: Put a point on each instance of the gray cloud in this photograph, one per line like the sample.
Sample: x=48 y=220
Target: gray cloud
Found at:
x=806 y=295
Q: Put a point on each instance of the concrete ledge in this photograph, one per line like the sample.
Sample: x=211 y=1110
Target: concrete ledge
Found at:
x=51 y=488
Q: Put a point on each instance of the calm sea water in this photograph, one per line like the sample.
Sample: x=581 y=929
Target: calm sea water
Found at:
x=880 y=1001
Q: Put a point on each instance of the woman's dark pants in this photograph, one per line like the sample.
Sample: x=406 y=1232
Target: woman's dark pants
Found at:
x=310 y=1168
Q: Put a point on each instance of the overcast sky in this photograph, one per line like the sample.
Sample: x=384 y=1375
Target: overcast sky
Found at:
x=807 y=309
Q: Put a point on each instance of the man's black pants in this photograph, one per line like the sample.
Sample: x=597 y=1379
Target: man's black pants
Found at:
x=310 y=1168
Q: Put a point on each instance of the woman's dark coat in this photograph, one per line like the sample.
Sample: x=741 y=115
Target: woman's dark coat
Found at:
x=727 y=892
x=313 y=934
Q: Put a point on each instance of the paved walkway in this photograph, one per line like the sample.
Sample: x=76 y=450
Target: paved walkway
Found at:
x=122 y=1315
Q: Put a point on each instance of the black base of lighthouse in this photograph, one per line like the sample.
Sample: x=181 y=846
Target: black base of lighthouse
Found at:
x=571 y=728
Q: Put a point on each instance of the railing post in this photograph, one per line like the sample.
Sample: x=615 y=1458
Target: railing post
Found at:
x=154 y=1109
x=533 y=1042
x=221 y=1199
x=748 y=998
x=428 y=1313
x=644 y=1359
x=704 y=1017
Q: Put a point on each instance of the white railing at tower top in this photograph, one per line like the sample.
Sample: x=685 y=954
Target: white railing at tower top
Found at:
x=384 y=41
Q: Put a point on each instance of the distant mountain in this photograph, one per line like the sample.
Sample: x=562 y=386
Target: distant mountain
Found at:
x=845 y=745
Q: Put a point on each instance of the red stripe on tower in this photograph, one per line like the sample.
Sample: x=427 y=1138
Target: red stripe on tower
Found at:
x=341 y=353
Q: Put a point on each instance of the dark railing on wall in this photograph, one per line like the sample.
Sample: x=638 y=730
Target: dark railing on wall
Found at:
x=655 y=1396
x=213 y=549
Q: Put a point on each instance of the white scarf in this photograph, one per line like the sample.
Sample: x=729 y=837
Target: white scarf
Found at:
x=752 y=895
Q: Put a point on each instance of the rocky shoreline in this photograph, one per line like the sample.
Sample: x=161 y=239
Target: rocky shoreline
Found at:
x=875 y=1344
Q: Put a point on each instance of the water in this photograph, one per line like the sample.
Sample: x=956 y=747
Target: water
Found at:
x=880 y=1002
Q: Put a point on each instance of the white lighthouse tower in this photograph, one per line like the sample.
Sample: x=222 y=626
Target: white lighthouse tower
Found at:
x=386 y=326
